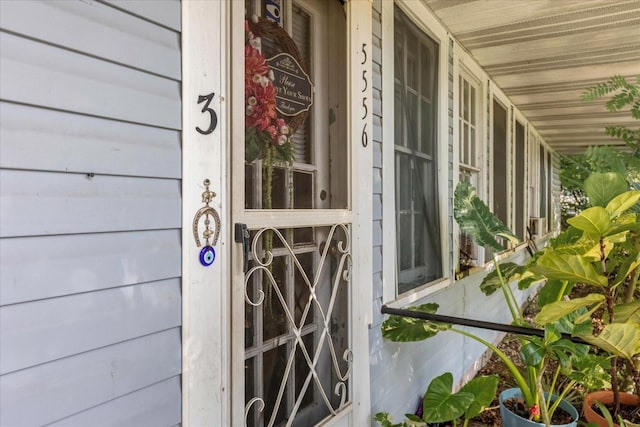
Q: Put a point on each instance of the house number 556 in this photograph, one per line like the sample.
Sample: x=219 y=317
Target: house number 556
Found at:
x=213 y=117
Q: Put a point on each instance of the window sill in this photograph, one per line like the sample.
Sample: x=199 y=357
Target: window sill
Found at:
x=420 y=293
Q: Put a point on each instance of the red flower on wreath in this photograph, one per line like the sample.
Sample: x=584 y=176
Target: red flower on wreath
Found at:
x=261 y=115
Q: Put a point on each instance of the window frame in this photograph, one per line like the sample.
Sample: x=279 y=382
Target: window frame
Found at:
x=495 y=94
x=465 y=66
x=426 y=22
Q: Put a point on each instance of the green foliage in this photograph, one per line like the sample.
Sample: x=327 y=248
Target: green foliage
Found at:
x=493 y=282
x=476 y=219
x=408 y=329
x=624 y=93
x=600 y=188
x=441 y=404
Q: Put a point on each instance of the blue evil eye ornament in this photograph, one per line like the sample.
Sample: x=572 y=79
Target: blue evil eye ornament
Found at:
x=207 y=255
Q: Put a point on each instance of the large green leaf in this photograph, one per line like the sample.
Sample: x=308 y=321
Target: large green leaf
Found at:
x=573 y=268
x=529 y=279
x=439 y=404
x=601 y=188
x=475 y=218
x=626 y=268
x=619 y=339
x=622 y=202
x=553 y=291
x=566 y=239
x=591 y=371
x=408 y=329
x=557 y=310
x=594 y=221
x=483 y=389
x=629 y=312
x=491 y=282
x=532 y=352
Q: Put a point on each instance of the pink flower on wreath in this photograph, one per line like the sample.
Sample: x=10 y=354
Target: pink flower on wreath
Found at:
x=260 y=94
x=254 y=64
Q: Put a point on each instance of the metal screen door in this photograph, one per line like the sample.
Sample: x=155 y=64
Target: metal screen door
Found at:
x=296 y=244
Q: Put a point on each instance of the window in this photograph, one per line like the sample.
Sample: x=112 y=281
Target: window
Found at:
x=418 y=246
x=500 y=163
x=543 y=184
x=469 y=151
x=519 y=192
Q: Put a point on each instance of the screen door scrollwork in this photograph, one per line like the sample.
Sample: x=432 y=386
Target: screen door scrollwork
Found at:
x=297 y=356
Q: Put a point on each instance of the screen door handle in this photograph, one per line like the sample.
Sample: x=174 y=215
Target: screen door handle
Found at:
x=242 y=236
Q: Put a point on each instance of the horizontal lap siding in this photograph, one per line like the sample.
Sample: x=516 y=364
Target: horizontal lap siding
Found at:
x=90 y=213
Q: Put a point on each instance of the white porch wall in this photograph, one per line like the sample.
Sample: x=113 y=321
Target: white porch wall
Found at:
x=401 y=372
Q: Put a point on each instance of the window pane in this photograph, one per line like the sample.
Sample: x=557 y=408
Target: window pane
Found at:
x=417 y=223
x=472 y=105
x=278 y=145
x=472 y=143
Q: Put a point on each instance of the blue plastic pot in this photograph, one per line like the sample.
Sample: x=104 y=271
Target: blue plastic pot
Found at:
x=509 y=419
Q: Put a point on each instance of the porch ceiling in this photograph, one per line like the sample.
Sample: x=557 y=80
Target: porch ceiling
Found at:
x=544 y=53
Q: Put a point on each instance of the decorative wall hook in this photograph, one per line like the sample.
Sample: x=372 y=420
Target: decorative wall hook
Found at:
x=208 y=253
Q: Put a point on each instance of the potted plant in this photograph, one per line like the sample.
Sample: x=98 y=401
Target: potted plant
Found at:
x=573 y=360
x=441 y=406
x=601 y=248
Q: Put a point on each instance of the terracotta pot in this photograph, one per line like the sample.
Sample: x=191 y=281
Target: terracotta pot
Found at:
x=605 y=397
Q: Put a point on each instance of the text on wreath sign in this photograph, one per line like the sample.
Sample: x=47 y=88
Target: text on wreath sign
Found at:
x=293 y=87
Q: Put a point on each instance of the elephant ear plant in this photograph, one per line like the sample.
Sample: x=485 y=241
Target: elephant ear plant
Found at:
x=601 y=248
x=476 y=219
x=441 y=405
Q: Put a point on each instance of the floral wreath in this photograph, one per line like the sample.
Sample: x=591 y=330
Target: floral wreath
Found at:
x=267 y=136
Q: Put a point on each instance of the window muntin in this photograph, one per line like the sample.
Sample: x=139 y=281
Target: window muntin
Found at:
x=418 y=253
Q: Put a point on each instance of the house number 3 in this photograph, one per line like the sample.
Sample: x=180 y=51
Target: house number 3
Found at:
x=213 y=117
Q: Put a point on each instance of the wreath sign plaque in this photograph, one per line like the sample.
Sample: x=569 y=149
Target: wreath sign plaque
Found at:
x=294 y=91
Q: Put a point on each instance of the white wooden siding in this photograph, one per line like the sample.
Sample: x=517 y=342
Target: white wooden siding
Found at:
x=90 y=213
x=55 y=390
x=70 y=264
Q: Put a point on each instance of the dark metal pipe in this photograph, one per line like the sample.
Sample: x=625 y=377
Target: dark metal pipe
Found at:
x=512 y=329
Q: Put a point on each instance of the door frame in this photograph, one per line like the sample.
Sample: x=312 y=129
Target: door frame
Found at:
x=205 y=297
x=217 y=29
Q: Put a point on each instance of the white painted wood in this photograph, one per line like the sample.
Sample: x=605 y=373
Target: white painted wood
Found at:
x=165 y=12
x=104 y=30
x=50 y=266
x=205 y=333
x=156 y=405
x=43 y=139
x=35 y=203
x=238 y=214
x=359 y=29
x=468 y=14
x=389 y=289
x=41 y=331
x=550 y=52
x=39 y=74
x=50 y=392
